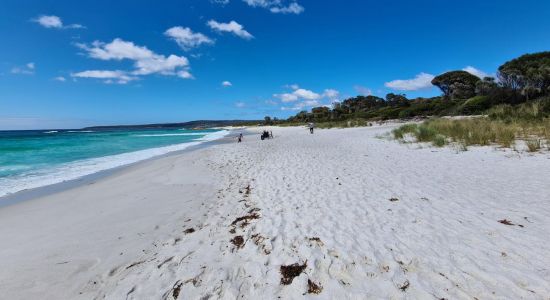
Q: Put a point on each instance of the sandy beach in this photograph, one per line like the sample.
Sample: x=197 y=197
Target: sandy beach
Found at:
x=338 y=214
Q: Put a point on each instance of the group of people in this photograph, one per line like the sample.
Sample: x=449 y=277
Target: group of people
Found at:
x=269 y=134
x=266 y=135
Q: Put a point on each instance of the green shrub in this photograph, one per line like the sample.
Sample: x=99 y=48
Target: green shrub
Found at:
x=439 y=140
x=533 y=145
x=425 y=133
x=400 y=132
x=529 y=111
x=387 y=113
x=475 y=105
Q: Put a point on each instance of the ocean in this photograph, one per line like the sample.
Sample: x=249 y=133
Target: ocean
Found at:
x=35 y=158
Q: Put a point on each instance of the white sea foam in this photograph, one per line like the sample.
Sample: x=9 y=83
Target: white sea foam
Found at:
x=170 y=134
x=51 y=131
x=78 y=169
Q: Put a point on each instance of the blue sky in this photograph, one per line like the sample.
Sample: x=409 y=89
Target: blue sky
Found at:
x=68 y=64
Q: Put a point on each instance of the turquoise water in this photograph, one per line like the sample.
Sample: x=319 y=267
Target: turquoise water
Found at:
x=30 y=159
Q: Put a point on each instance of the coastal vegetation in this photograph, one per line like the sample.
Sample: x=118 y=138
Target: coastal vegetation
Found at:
x=518 y=81
x=514 y=105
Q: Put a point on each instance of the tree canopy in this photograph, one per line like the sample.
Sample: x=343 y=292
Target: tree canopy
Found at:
x=529 y=74
x=456 y=84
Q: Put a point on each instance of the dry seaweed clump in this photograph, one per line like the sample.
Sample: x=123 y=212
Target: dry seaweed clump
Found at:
x=313 y=288
x=238 y=241
x=288 y=273
x=244 y=220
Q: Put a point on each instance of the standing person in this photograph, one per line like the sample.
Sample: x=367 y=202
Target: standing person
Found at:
x=240 y=138
x=311 y=125
x=270 y=134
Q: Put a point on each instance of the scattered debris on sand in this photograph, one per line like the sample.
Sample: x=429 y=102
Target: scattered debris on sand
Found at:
x=189 y=230
x=393 y=199
x=135 y=264
x=253 y=210
x=289 y=272
x=176 y=289
x=164 y=262
x=238 y=241
x=509 y=223
x=316 y=240
x=259 y=241
x=245 y=219
x=246 y=190
x=506 y=222
x=313 y=288
x=404 y=286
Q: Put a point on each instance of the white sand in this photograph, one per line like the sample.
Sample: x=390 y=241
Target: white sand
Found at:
x=440 y=238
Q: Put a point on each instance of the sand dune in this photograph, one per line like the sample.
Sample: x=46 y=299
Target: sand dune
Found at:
x=340 y=214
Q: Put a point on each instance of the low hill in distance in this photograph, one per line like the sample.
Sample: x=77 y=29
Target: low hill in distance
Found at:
x=189 y=125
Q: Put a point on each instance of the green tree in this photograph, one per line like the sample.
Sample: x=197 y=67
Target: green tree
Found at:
x=320 y=113
x=397 y=100
x=529 y=74
x=456 y=84
x=486 y=86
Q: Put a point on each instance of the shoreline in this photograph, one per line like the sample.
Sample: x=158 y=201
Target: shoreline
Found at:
x=385 y=220
x=50 y=189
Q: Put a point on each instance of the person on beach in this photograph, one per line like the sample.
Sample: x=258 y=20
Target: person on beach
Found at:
x=271 y=134
x=240 y=138
x=311 y=125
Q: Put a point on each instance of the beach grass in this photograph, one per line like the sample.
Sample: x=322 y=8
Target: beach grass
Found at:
x=344 y=124
x=533 y=145
x=479 y=131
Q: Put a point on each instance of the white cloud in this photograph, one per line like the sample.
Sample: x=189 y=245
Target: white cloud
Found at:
x=160 y=64
x=226 y=84
x=27 y=69
x=302 y=105
x=146 y=62
x=118 y=49
x=60 y=78
x=286 y=97
x=240 y=104
x=186 y=38
x=54 y=22
x=116 y=76
x=332 y=94
x=232 y=27
x=292 y=8
x=49 y=21
x=185 y=74
x=306 y=94
x=363 y=91
x=258 y=3
x=277 y=6
x=421 y=81
x=298 y=94
x=476 y=72
x=303 y=98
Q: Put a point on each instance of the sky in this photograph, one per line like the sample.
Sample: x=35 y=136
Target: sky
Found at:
x=71 y=64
